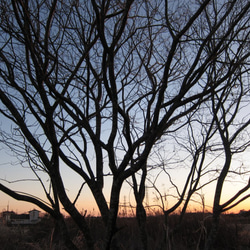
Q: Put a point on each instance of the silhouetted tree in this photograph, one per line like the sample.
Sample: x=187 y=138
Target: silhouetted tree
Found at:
x=94 y=86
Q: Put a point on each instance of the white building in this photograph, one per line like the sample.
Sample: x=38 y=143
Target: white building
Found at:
x=34 y=215
x=12 y=218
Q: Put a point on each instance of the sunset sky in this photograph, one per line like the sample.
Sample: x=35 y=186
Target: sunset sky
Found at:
x=16 y=174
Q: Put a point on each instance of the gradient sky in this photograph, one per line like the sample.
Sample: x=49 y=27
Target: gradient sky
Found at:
x=14 y=173
x=11 y=171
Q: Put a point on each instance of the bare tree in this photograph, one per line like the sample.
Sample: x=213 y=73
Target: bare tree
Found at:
x=190 y=147
x=232 y=121
x=207 y=120
x=209 y=157
x=106 y=80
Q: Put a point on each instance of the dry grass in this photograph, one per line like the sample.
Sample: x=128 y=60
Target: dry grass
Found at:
x=234 y=234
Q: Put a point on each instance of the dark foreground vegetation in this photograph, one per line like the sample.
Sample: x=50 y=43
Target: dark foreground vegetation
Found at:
x=234 y=233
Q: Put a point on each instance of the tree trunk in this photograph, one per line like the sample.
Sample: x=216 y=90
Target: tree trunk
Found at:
x=113 y=211
x=71 y=209
x=213 y=232
x=141 y=218
x=101 y=202
x=60 y=235
x=167 y=242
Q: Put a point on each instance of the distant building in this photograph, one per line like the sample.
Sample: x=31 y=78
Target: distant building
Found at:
x=11 y=218
x=34 y=215
x=245 y=213
x=6 y=217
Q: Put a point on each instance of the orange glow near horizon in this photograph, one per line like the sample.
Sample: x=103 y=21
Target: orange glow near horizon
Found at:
x=86 y=201
x=8 y=203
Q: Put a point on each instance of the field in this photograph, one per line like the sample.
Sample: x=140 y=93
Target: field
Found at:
x=234 y=234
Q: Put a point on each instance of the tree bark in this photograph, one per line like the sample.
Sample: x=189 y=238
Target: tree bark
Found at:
x=61 y=234
x=113 y=211
x=213 y=232
x=142 y=222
